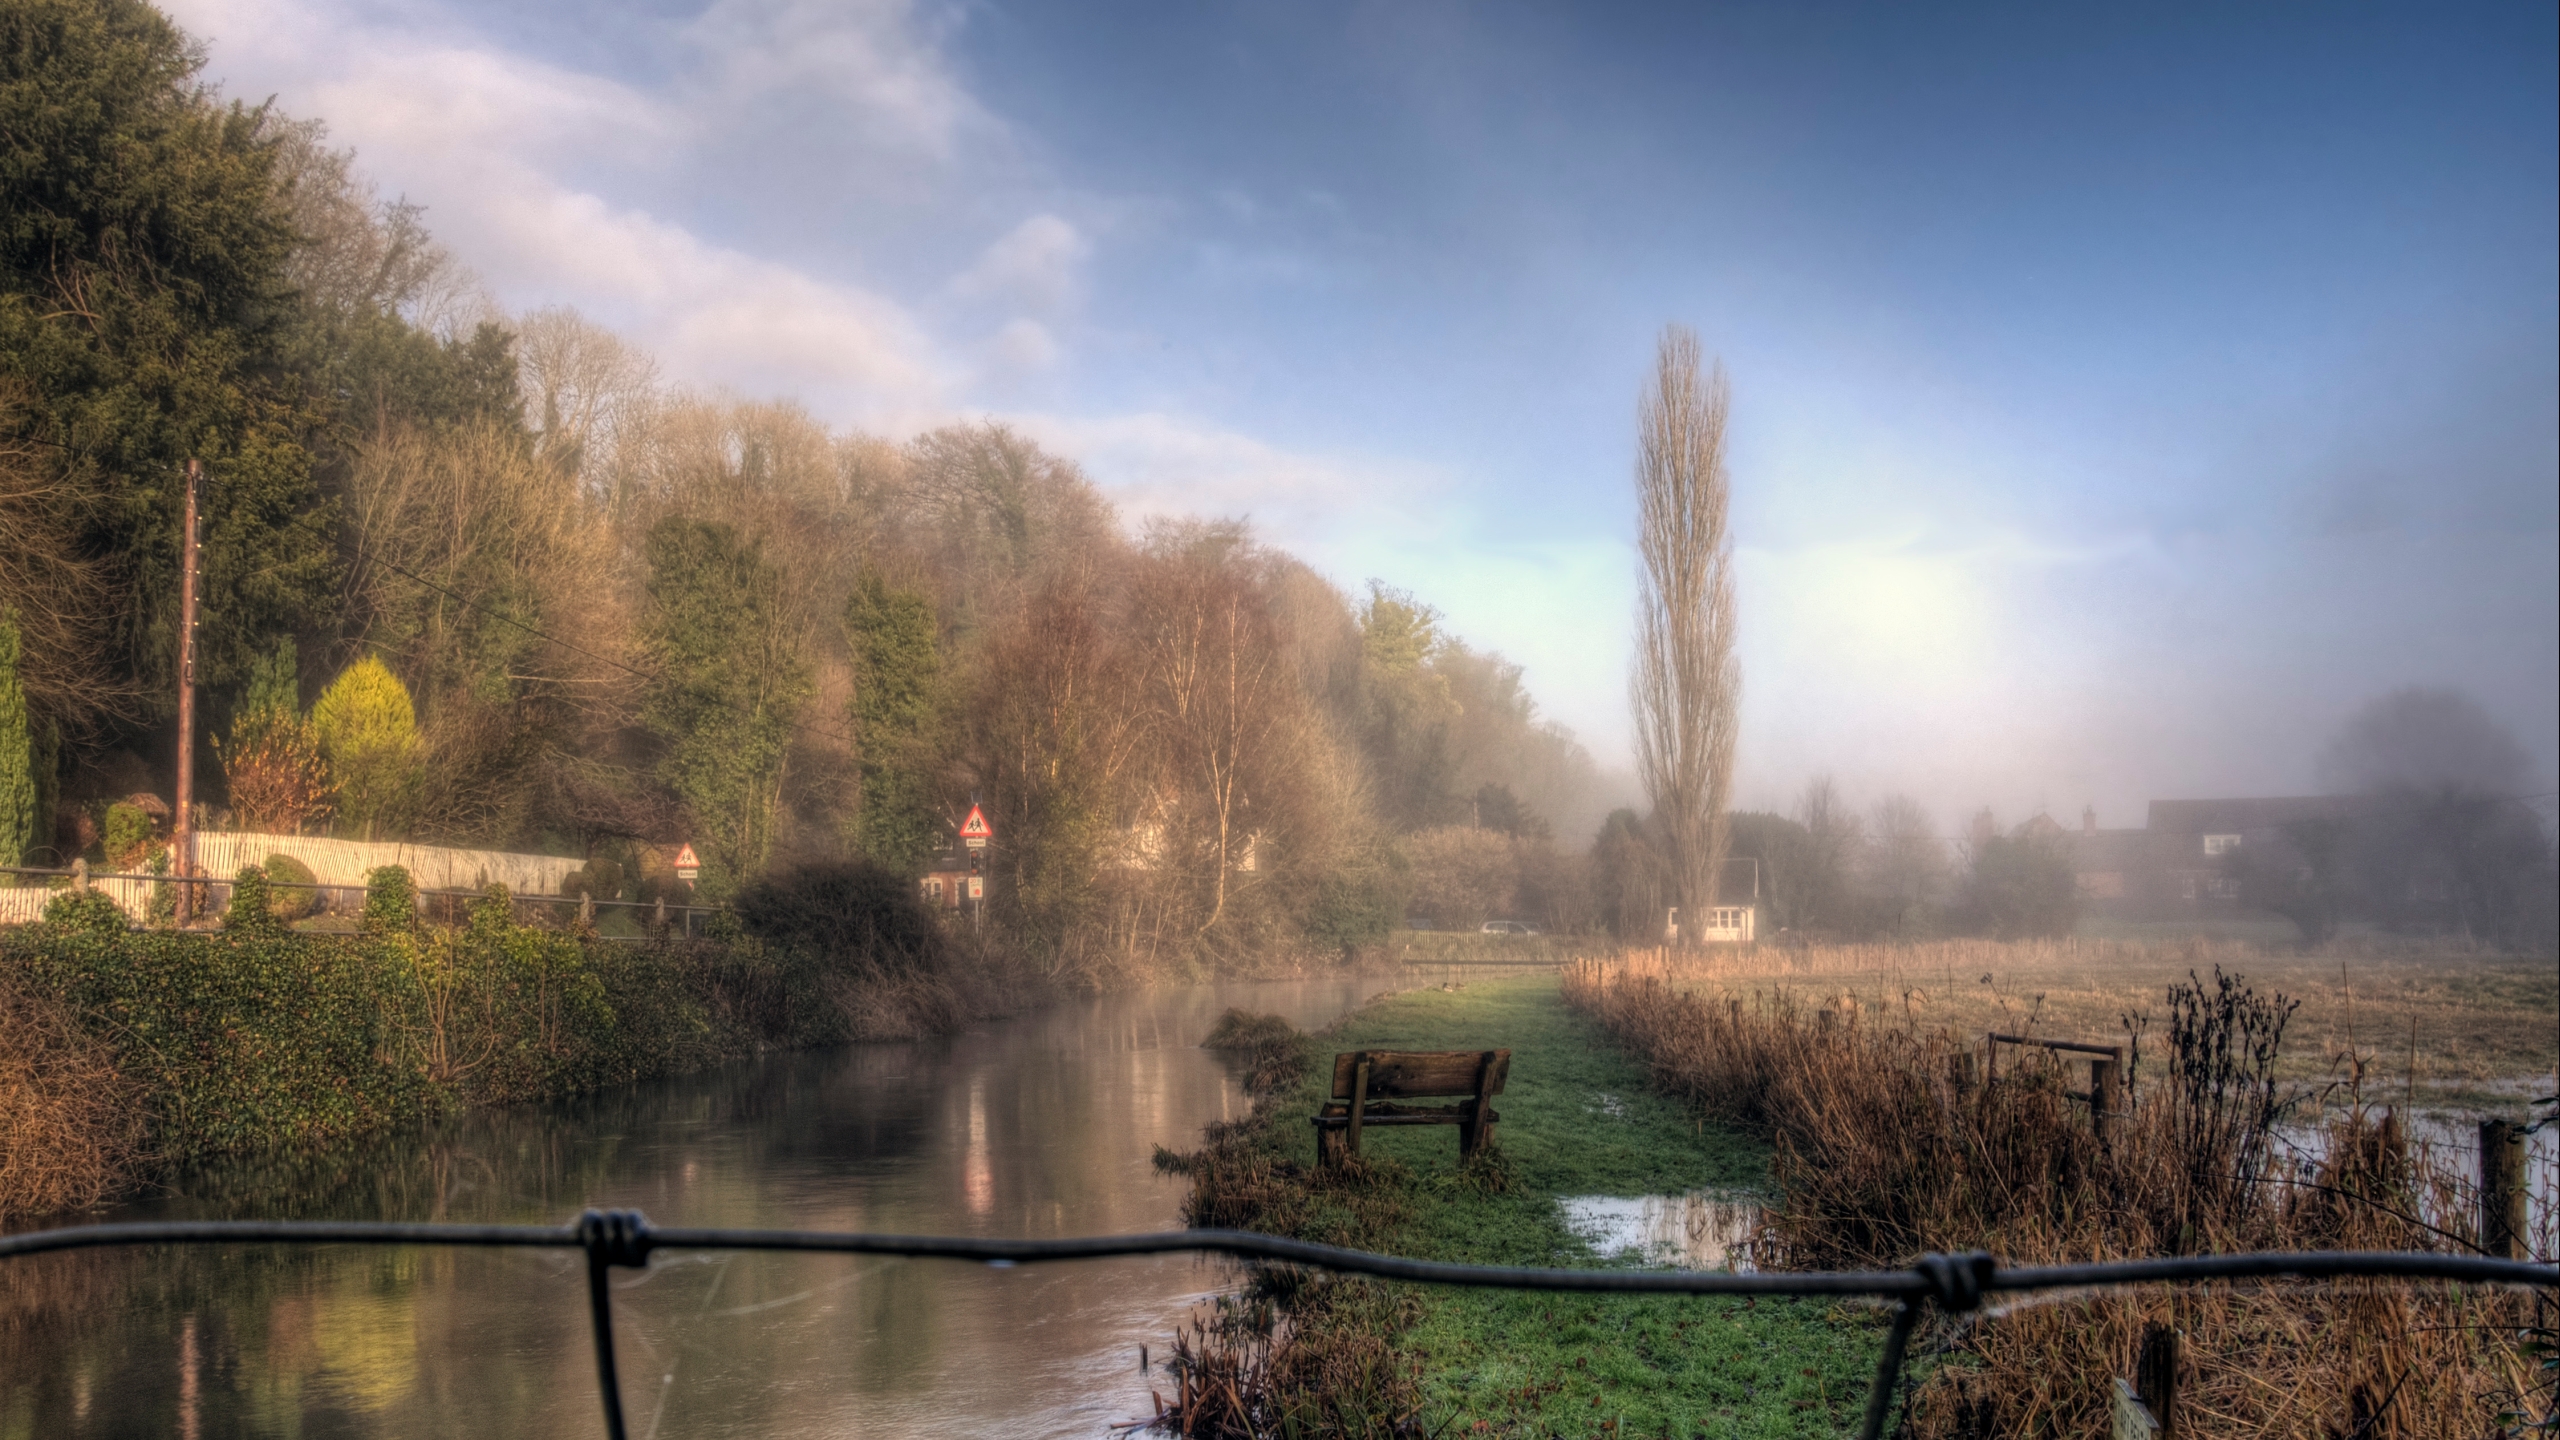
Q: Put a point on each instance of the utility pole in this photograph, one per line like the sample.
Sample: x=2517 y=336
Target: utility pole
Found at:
x=182 y=837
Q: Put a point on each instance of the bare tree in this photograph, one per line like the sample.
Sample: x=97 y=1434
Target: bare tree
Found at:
x=586 y=391
x=1688 y=684
x=1906 y=861
x=1832 y=835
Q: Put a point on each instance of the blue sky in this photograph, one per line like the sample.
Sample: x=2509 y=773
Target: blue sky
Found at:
x=2119 y=398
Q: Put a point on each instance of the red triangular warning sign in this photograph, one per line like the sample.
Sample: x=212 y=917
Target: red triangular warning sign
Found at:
x=976 y=827
x=685 y=859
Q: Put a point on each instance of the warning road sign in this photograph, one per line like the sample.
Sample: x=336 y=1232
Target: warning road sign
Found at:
x=688 y=865
x=975 y=832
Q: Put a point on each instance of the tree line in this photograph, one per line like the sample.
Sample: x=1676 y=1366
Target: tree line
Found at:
x=479 y=578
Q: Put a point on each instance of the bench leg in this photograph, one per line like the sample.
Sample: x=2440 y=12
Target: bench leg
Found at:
x=1328 y=1147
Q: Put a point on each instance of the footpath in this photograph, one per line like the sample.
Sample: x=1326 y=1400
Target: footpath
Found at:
x=1578 y=1120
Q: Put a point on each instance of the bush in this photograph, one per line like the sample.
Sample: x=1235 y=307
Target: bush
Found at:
x=599 y=877
x=291 y=904
x=84 y=912
x=252 y=910
x=130 y=835
x=853 y=917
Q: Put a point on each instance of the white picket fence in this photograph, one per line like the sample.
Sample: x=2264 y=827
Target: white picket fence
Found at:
x=332 y=862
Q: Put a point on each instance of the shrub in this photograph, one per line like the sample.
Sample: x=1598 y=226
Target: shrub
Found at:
x=84 y=912
x=852 y=917
x=278 y=782
x=291 y=904
x=599 y=877
x=130 y=835
x=390 y=901
x=252 y=909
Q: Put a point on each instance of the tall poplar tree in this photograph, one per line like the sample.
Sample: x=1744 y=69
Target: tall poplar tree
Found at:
x=1687 y=687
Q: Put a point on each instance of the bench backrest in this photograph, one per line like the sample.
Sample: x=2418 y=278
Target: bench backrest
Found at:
x=1423 y=1074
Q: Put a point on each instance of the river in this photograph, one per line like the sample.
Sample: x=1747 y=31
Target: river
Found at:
x=1042 y=1125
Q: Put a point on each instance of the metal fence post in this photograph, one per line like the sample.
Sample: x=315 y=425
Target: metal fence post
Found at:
x=610 y=1238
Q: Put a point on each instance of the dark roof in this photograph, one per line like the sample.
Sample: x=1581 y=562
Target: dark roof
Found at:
x=2241 y=816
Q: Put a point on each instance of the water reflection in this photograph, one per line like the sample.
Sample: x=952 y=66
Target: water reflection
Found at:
x=1041 y=1126
x=1703 y=1230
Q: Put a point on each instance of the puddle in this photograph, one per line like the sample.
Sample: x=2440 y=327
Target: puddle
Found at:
x=1704 y=1230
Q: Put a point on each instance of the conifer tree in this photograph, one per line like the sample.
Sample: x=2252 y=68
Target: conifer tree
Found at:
x=368 y=730
x=18 y=807
x=897 y=702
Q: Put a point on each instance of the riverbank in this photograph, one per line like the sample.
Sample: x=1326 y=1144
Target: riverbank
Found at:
x=1894 y=1139
x=134 y=1051
x=1578 y=1120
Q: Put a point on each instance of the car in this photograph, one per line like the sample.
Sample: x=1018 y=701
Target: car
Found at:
x=1508 y=927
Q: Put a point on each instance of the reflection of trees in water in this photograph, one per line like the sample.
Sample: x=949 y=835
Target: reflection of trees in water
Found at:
x=347 y=1341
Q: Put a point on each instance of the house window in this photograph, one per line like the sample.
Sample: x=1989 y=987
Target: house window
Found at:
x=2217 y=844
x=2221 y=888
x=933 y=887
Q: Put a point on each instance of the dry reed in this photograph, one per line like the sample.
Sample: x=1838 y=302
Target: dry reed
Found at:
x=70 y=1124
x=1885 y=1151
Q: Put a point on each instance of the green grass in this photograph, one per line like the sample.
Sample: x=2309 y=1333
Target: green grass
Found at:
x=1579 y=1119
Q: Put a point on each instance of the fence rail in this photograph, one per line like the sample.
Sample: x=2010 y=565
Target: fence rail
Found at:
x=1955 y=1284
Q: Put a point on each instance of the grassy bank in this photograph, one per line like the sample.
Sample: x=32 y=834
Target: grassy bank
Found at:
x=127 y=1051
x=1578 y=1119
x=1886 y=1150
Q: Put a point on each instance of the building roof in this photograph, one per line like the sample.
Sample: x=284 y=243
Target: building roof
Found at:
x=2240 y=816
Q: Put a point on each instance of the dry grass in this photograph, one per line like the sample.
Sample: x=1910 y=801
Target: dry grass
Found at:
x=1884 y=1154
x=70 y=1124
x=2434 y=1028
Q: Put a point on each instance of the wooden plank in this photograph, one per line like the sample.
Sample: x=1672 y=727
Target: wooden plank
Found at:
x=1415 y=1074
x=1362 y=1072
x=1373 y=1120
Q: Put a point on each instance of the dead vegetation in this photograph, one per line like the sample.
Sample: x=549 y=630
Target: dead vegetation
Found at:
x=1885 y=1151
x=2438 y=1028
x=70 y=1123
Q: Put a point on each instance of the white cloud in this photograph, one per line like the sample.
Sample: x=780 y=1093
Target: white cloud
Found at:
x=1022 y=346
x=1035 y=264
x=880 y=61
x=479 y=136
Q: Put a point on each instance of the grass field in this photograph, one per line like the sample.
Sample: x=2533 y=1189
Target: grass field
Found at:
x=1577 y=1120
x=2452 y=1031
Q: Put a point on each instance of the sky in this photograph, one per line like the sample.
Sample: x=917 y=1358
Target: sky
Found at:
x=2119 y=398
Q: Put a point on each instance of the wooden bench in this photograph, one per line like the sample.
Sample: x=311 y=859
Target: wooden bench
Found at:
x=1368 y=1086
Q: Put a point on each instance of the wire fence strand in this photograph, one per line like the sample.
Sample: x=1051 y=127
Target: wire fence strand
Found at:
x=1953 y=1284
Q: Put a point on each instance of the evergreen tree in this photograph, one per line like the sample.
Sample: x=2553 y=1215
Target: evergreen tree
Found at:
x=729 y=683
x=897 y=703
x=141 y=303
x=368 y=730
x=18 y=781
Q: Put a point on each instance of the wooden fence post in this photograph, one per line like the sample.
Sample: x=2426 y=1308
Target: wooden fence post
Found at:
x=2106 y=1084
x=2155 y=1377
x=2502 y=1189
x=1960 y=1074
